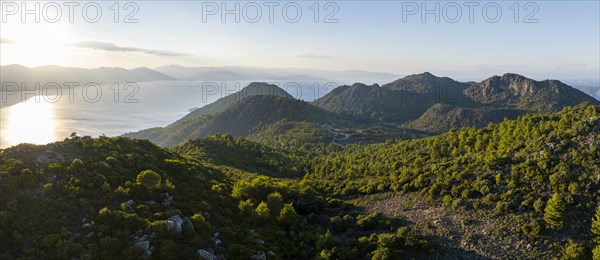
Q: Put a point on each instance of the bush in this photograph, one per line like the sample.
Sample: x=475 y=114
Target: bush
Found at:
x=200 y=223
x=532 y=229
x=341 y=224
x=149 y=178
x=246 y=208
x=501 y=207
x=574 y=251
x=368 y=222
x=538 y=205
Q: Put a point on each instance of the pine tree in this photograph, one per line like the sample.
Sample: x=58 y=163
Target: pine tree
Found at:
x=288 y=215
x=596 y=252
x=596 y=223
x=275 y=202
x=262 y=210
x=555 y=211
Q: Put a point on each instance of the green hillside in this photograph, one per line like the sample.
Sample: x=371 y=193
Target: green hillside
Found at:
x=526 y=188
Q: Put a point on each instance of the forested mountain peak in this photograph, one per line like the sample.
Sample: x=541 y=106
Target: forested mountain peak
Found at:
x=424 y=83
x=252 y=89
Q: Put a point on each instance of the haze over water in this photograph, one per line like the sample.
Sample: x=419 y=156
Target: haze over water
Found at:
x=41 y=120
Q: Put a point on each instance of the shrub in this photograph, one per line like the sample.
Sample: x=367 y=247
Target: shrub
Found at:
x=532 y=229
x=149 y=178
x=368 y=222
x=573 y=251
x=538 y=205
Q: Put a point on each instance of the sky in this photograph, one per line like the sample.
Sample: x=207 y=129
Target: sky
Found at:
x=544 y=39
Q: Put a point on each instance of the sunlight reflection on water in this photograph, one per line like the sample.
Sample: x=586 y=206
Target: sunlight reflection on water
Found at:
x=31 y=121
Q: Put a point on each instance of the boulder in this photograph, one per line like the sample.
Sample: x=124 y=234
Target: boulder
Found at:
x=259 y=241
x=259 y=256
x=187 y=226
x=167 y=199
x=128 y=203
x=176 y=223
x=170 y=225
x=144 y=245
x=206 y=255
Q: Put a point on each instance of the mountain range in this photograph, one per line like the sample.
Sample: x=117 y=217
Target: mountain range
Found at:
x=420 y=102
x=231 y=73
x=103 y=75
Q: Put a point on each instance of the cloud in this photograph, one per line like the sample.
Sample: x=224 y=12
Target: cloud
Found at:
x=6 y=41
x=107 y=46
x=312 y=55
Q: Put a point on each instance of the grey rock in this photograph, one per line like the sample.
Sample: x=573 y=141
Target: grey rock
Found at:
x=204 y=254
x=167 y=199
x=144 y=245
x=170 y=225
x=187 y=225
x=176 y=223
x=259 y=256
x=259 y=241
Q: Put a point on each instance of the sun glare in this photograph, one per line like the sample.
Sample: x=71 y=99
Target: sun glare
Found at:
x=28 y=122
x=34 y=44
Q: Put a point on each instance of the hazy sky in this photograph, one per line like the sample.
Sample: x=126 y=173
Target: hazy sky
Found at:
x=386 y=36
